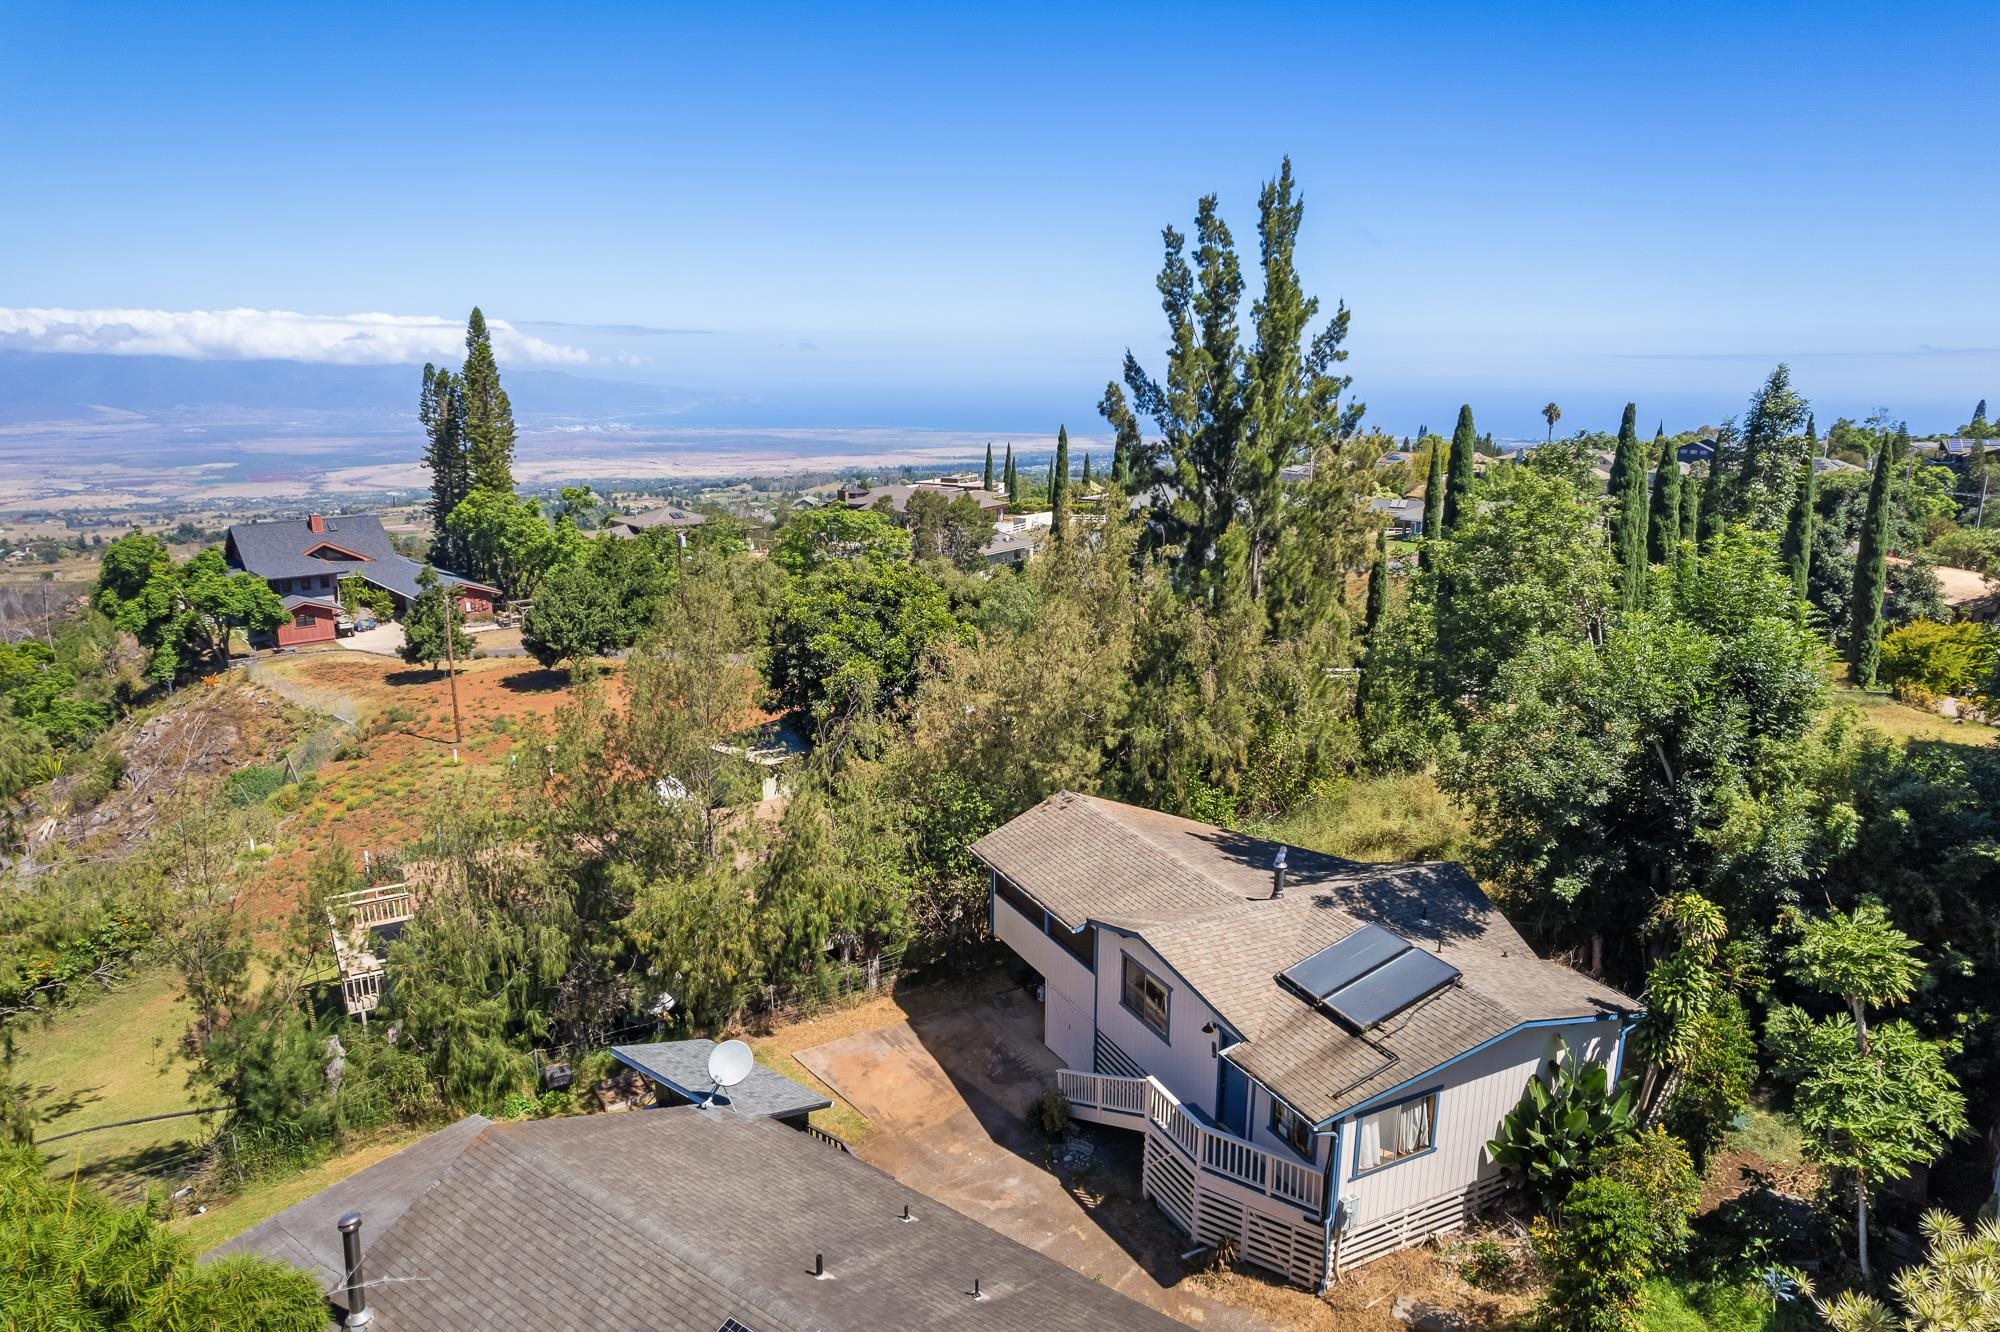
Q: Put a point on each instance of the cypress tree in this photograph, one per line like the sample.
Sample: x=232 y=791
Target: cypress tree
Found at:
x=1691 y=509
x=1086 y=468
x=441 y=407
x=1715 y=495
x=1008 y=479
x=1371 y=625
x=1978 y=427
x=1663 y=523
x=1871 y=565
x=1458 y=483
x=987 y=483
x=1797 y=547
x=489 y=417
x=1628 y=509
x=1433 y=502
x=1059 y=484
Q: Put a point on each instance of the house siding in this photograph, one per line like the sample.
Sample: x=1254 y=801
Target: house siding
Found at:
x=1260 y=1129
x=310 y=624
x=1185 y=1061
x=1474 y=1095
x=1066 y=984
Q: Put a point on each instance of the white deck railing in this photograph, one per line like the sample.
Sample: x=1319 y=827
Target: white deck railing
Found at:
x=385 y=904
x=1216 y=1152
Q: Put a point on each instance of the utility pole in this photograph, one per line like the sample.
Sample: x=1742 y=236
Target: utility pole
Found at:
x=451 y=665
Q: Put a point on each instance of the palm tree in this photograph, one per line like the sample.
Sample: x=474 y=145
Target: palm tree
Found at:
x=1552 y=414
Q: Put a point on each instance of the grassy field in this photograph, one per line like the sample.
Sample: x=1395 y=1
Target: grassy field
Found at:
x=1400 y=817
x=1903 y=722
x=267 y=1198
x=111 y=1059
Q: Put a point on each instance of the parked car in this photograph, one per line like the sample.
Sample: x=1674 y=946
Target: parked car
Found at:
x=343 y=627
x=364 y=622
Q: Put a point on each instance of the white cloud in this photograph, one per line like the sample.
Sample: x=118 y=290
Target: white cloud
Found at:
x=282 y=335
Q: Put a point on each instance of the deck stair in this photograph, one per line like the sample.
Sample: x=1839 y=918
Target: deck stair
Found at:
x=352 y=919
x=1217 y=1187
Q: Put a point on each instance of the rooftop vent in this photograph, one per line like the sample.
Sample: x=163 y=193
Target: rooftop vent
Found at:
x=1278 y=873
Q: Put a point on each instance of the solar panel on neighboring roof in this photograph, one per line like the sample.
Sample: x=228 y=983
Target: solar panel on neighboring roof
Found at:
x=1390 y=988
x=1344 y=962
x=1370 y=975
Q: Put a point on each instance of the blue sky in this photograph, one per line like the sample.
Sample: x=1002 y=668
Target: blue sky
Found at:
x=942 y=216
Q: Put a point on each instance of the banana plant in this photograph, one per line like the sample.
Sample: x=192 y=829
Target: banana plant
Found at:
x=1546 y=1142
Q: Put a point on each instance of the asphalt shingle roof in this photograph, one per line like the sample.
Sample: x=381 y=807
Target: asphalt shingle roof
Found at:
x=278 y=549
x=677 y=1218
x=683 y=1066
x=1200 y=896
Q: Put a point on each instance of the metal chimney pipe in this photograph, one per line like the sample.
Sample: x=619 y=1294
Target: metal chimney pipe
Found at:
x=358 y=1312
x=1278 y=873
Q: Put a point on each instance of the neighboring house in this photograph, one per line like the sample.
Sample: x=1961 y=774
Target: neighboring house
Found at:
x=898 y=497
x=669 y=516
x=1317 y=1050
x=1406 y=516
x=304 y=559
x=1016 y=547
x=678 y=1071
x=1698 y=451
x=684 y=1218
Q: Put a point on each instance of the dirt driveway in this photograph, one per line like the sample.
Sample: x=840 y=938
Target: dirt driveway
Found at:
x=948 y=1096
x=385 y=639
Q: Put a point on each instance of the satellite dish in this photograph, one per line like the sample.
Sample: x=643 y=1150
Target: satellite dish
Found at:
x=730 y=1062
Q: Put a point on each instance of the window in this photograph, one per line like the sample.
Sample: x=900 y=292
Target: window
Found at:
x=1392 y=1135
x=1293 y=1127
x=1020 y=901
x=1146 y=996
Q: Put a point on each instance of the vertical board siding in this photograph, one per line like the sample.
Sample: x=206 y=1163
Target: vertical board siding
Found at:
x=1066 y=1008
x=1475 y=1095
x=1184 y=1062
x=1260 y=1130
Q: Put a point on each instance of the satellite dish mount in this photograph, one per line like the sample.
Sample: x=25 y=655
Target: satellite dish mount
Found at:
x=728 y=1064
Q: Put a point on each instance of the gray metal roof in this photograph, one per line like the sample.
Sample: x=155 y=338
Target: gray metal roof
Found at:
x=1200 y=896
x=673 y=1219
x=668 y=516
x=683 y=1066
x=278 y=550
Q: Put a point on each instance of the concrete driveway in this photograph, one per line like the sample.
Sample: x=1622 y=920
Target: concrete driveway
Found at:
x=385 y=639
x=949 y=1095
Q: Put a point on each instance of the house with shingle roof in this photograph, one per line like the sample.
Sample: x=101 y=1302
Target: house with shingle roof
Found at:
x=304 y=559
x=1318 y=1050
x=690 y=1218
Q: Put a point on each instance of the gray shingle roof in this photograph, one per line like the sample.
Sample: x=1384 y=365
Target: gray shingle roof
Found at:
x=1200 y=896
x=675 y=1218
x=667 y=516
x=683 y=1066
x=278 y=550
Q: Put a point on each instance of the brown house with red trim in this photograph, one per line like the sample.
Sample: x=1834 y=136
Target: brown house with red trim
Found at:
x=304 y=559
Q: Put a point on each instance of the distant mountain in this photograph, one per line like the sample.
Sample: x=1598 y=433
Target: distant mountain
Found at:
x=46 y=386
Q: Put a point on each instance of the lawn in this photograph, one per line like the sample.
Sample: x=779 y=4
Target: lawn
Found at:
x=266 y=1198
x=111 y=1059
x=1902 y=722
x=1403 y=816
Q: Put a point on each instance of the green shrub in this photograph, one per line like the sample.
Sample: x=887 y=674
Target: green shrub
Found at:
x=1672 y=1306
x=1974 y=548
x=554 y=1103
x=1489 y=1265
x=1715 y=1078
x=1597 y=1257
x=519 y=1105
x=247 y=786
x=1940 y=658
x=1658 y=1166
x=1547 y=1141
x=1050 y=1113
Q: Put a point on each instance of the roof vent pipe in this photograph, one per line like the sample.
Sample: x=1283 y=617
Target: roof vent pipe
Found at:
x=1278 y=873
x=358 y=1312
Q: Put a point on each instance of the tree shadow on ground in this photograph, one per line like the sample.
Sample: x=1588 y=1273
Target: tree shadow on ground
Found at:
x=540 y=680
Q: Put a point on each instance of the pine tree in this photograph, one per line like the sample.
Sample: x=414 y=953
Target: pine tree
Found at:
x=987 y=482
x=1458 y=481
x=441 y=408
x=1129 y=468
x=1433 y=502
x=1797 y=547
x=1776 y=412
x=1663 y=523
x=1871 y=565
x=1978 y=428
x=489 y=417
x=1628 y=509
x=1059 y=486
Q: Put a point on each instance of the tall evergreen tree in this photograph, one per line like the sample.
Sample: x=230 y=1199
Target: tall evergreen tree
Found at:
x=1691 y=487
x=1776 y=414
x=1628 y=509
x=489 y=417
x=441 y=408
x=1059 y=485
x=1372 y=623
x=1458 y=479
x=1871 y=564
x=1978 y=428
x=1009 y=479
x=1663 y=522
x=1131 y=466
x=1797 y=547
x=987 y=482
x=1715 y=495
x=1433 y=502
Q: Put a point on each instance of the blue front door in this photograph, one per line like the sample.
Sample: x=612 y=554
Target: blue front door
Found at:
x=1232 y=1099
